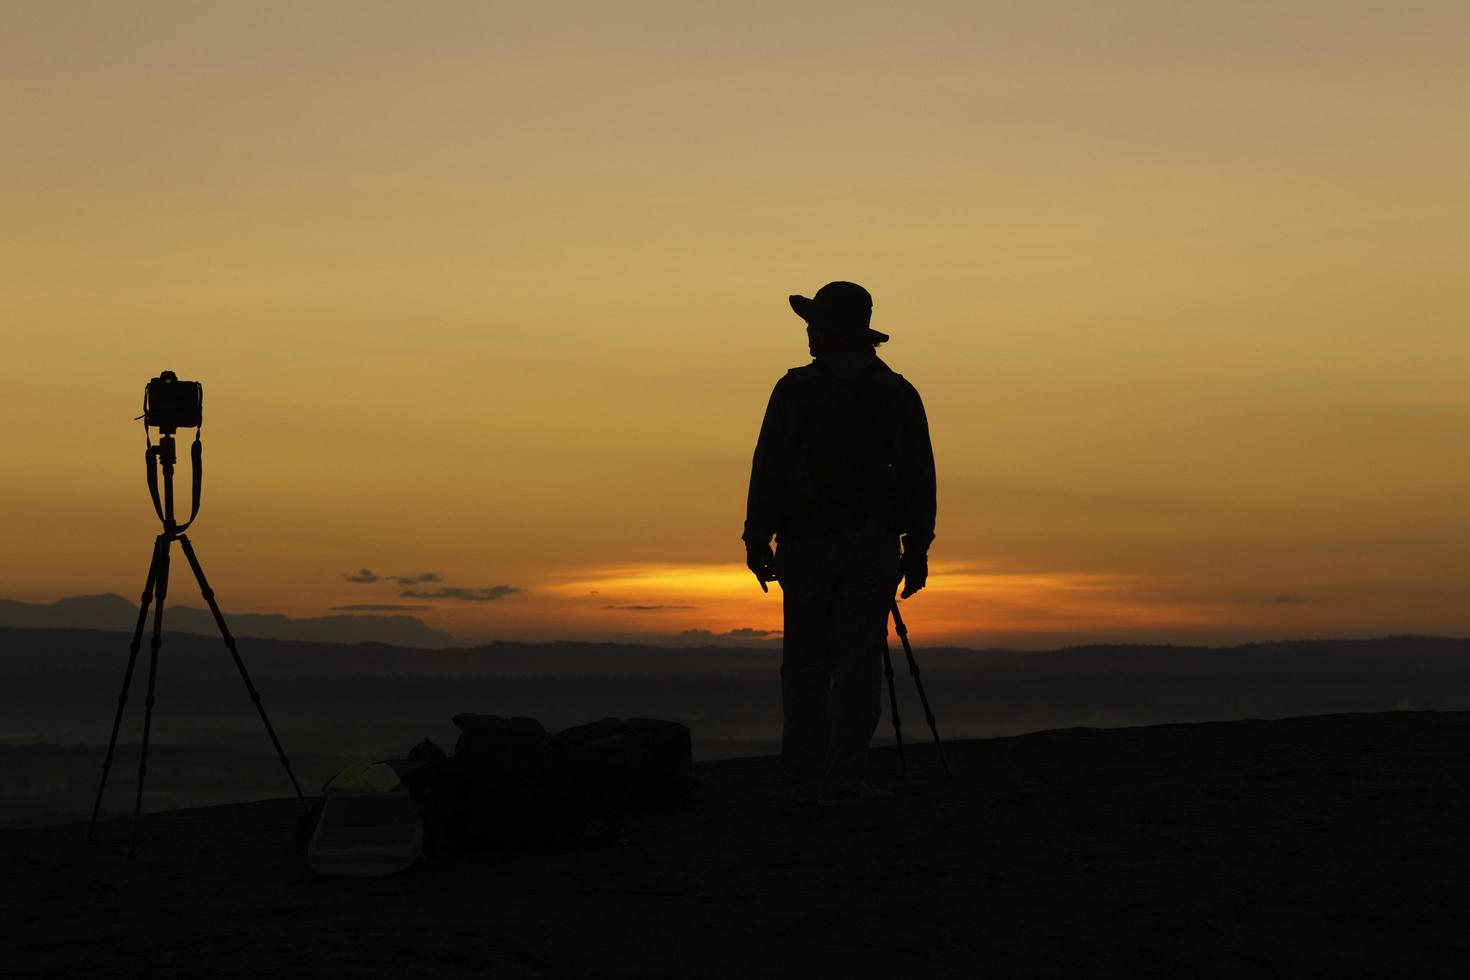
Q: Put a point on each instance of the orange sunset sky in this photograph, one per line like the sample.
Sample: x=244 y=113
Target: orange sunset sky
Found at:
x=497 y=292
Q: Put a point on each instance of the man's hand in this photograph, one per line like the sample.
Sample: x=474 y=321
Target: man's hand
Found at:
x=762 y=561
x=915 y=566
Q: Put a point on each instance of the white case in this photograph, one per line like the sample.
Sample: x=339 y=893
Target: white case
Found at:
x=366 y=835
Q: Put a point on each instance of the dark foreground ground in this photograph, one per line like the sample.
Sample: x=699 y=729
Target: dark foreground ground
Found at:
x=1327 y=846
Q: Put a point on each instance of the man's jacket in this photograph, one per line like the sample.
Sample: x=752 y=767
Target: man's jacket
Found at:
x=844 y=440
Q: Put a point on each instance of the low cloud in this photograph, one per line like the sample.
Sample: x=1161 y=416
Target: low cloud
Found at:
x=741 y=633
x=463 y=595
x=366 y=576
x=637 y=608
x=411 y=586
x=1286 y=598
x=416 y=579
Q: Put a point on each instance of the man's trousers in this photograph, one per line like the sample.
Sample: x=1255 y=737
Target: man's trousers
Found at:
x=836 y=590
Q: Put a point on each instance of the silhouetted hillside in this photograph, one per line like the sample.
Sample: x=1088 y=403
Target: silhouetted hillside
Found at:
x=1312 y=847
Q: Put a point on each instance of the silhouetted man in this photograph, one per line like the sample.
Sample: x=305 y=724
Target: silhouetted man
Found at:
x=843 y=472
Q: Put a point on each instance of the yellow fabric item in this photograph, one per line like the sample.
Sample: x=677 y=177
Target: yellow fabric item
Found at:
x=365 y=777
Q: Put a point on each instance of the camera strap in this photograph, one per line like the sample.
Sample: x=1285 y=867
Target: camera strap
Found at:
x=196 y=459
x=196 y=467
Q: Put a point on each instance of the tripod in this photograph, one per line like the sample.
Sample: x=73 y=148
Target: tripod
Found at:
x=155 y=590
x=903 y=635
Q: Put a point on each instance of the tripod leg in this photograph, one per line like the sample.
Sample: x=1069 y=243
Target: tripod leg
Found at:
x=224 y=631
x=893 y=705
x=903 y=635
x=160 y=590
x=127 y=683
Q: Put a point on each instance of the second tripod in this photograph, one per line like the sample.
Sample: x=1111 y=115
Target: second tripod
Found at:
x=903 y=635
x=154 y=592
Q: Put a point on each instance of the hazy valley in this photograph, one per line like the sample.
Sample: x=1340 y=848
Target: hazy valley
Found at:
x=333 y=703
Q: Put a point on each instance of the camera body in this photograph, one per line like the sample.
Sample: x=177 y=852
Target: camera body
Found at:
x=170 y=404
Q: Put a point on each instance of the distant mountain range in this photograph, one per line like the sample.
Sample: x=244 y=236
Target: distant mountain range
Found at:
x=114 y=613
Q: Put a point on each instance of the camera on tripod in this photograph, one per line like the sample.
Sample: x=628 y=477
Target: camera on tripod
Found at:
x=170 y=404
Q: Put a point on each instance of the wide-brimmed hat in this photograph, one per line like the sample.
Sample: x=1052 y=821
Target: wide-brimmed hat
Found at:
x=845 y=308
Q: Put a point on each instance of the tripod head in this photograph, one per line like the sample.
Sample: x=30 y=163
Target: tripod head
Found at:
x=169 y=405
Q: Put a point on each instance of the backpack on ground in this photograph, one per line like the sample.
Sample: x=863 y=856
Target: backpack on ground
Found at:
x=506 y=785
x=630 y=764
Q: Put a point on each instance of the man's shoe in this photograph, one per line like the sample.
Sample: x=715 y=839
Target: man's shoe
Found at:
x=862 y=794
